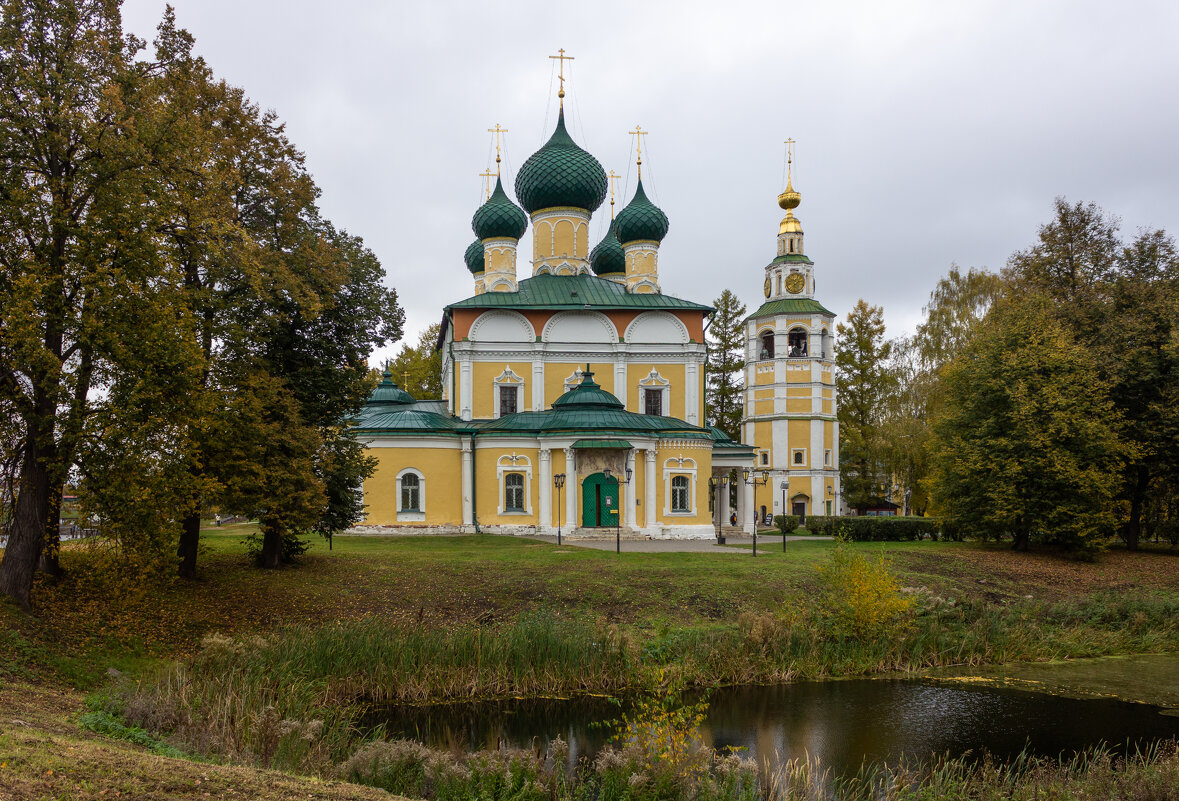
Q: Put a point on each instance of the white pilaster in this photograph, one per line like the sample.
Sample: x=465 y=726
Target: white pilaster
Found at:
x=649 y=503
x=620 y=380
x=467 y=484
x=747 y=521
x=572 y=488
x=466 y=394
x=629 y=490
x=546 y=489
x=538 y=387
x=692 y=394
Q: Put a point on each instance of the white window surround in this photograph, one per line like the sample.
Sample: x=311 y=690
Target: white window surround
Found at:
x=508 y=380
x=409 y=516
x=679 y=466
x=574 y=380
x=514 y=464
x=794 y=460
x=826 y=458
x=657 y=382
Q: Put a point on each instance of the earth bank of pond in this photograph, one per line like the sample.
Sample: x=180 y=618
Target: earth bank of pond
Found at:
x=849 y=723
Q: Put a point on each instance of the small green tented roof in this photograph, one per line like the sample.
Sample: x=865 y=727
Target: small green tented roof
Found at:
x=791 y=306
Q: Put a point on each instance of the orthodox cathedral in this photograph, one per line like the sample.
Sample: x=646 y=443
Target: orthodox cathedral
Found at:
x=573 y=397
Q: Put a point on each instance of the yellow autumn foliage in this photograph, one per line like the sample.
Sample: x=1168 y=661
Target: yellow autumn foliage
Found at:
x=860 y=596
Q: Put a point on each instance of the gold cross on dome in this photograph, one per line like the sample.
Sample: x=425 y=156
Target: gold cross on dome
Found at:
x=613 y=177
x=497 y=131
x=487 y=175
x=789 y=156
x=405 y=379
x=638 y=133
x=561 y=59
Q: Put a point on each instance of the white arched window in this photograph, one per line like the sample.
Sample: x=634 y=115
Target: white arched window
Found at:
x=514 y=474
x=411 y=496
x=655 y=395
x=680 y=495
x=679 y=486
x=796 y=343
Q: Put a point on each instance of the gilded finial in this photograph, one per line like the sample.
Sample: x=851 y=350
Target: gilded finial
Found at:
x=561 y=59
x=487 y=175
x=613 y=177
x=497 y=131
x=638 y=134
x=405 y=379
x=789 y=199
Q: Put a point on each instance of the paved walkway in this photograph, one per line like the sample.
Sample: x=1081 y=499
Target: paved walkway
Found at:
x=679 y=546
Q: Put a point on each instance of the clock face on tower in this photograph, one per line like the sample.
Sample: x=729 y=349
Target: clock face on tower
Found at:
x=767 y=287
x=795 y=282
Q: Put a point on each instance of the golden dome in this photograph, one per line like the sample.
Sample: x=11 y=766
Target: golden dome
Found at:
x=790 y=224
x=789 y=199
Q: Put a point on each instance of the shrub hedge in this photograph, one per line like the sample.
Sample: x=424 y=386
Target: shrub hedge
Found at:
x=869 y=529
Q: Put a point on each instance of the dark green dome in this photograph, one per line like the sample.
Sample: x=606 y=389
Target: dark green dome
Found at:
x=499 y=217
x=387 y=392
x=607 y=257
x=641 y=219
x=474 y=257
x=561 y=174
x=587 y=395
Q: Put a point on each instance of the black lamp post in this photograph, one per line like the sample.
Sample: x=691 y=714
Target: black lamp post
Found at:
x=559 y=483
x=785 y=485
x=751 y=477
x=618 y=509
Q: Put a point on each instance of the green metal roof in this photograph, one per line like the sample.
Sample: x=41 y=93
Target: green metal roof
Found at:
x=574 y=292
x=792 y=258
x=791 y=306
x=602 y=443
x=587 y=395
x=387 y=392
x=499 y=217
x=641 y=219
x=722 y=440
x=561 y=174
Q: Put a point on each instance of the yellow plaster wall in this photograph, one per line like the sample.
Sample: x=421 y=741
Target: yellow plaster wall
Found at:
x=442 y=468
x=674 y=373
x=760 y=377
x=487 y=486
x=555 y=374
x=483 y=395
x=798 y=405
x=801 y=485
x=703 y=459
x=798 y=435
x=763 y=437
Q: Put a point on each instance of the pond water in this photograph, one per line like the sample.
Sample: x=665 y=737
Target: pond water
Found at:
x=843 y=723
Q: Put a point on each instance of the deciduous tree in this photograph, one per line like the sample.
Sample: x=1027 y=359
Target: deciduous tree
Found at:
x=418 y=368
x=864 y=385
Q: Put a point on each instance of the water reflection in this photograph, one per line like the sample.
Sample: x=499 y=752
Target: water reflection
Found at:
x=843 y=723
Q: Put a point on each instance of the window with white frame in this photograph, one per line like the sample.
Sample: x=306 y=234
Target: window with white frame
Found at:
x=680 y=495
x=827 y=458
x=509 y=392
x=411 y=495
x=514 y=474
x=765 y=457
x=799 y=457
x=514 y=492
x=655 y=394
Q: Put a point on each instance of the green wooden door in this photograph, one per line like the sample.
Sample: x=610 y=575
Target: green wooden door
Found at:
x=599 y=501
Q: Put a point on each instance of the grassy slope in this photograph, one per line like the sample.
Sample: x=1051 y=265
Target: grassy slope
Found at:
x=86 y=624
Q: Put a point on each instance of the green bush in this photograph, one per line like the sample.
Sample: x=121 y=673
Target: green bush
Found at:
x=792 y=522
x=821 y=524
x=887 y=529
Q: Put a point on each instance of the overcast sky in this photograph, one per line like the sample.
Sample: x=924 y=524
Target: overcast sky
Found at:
x=928 y=132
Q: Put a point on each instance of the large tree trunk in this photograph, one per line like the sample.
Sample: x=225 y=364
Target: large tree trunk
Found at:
x=190 y=536
x=51 y=547
x=1133 y=528
x=27 y=534
x=271 y=556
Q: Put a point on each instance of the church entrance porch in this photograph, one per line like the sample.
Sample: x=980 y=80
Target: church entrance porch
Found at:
x=599 y=501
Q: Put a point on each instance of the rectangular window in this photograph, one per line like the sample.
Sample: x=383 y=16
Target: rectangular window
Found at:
x=800 y=457
x=514 y=492
x=680 y=501
x=765 y=457
x=411 y=493
x=507 y=400
x=827 y=458
x=653 y=402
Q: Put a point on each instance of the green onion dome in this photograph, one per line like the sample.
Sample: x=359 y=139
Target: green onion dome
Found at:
x=607 y=257
x=474 y=257
x=641 y=219
x=499 y=217
x=561 y=174
x=387 y=392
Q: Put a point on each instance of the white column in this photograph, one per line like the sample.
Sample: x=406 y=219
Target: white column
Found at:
x=571 y=488
x=631 y=520
x=649 y=500
x=538 y=387
x=465 y=390
x=746 y=520
x=692 y=394
x=465 y=490
x=546 y=490
x=620 y=380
